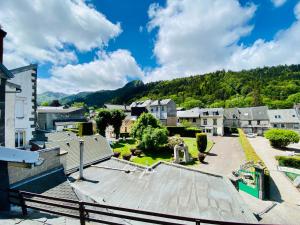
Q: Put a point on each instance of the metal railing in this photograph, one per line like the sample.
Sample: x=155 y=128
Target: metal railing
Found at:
x=86 y=211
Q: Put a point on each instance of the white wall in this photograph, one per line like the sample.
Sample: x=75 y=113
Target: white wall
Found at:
x=25 y=80
x=10 y=99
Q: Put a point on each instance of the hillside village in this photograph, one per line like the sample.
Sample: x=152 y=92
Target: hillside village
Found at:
x=148 y=162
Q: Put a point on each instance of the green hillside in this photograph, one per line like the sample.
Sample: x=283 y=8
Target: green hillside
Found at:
x=276 y=87
x=49 y=96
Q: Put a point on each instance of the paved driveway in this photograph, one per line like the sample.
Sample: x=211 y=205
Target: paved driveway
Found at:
x=281 y=187
x=225 y=156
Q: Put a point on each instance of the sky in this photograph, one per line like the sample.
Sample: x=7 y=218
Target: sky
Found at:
x=90 y=45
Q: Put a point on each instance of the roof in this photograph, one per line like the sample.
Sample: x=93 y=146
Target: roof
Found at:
x=96 y=148
x=53 y=183
x=17 y=155
x=192 y=113
x=120 y=107
x=167 y=188
x=5 y=72
x=283 y=116
x=210 y=111
x=231 y=113
x=24 y=68
x=247 y=113
x=160 y=102
x=141 y=103
x=60 y=109
x=16 y=86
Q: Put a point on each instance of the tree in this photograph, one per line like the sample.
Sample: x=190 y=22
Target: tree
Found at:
x=55 y=103
x=201 y=139
x=153 y=138
x=116 y=119
x=145 y=120
x=103 y=119
x=45 y=104
x=280 y=138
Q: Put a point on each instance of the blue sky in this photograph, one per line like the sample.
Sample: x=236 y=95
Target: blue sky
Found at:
x=93 y=45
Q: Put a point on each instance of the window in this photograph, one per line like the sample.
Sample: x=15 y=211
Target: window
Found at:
x=258 y=122
x=214 y=121
x=216 y=113
x=152 y=110
x=282 y=125
x=162 y=108
x=275 y=125
x=204 y=121
x=296 y=126
x=19 y=109
x=249 y=122
x=205 y=113
x=19 y=138
x=156 y=108
x=194 y=120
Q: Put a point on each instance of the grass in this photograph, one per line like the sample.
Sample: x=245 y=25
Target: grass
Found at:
x=152 y=156
x=248 y=149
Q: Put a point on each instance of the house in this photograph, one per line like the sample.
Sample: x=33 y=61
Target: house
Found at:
x=25 y=104
x=127 y=124
x=209 y=120
x=10 y=101
x=250 y=119
x=163 y=110
x=284 y=118
x=51 y=118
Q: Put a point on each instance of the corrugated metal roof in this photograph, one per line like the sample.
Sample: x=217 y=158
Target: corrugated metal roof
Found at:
x=60 y=109
x=283 y=116
x=96 y=148
x=168 y=188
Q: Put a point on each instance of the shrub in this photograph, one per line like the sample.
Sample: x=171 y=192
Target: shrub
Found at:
x=124 y=135
x=201 y=139
x=201 y=156
x=85 y=128
x=183 y=131
x=289 y=161
x=132 y=150
x=138 y=152
x=117 y=154
x=173 y=141
x=153 y=138
x=247 y=147
x=126 y=156
x=280 y=138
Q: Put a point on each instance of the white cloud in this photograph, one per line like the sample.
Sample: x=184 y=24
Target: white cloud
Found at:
x=278 y=3
x=46 y=31
x=107 y=71
x=208 y=39
x=196 y=36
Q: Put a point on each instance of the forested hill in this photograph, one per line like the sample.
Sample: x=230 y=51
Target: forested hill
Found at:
x=276 y=87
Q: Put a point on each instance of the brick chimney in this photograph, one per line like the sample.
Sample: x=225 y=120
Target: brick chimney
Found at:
x=2 y=36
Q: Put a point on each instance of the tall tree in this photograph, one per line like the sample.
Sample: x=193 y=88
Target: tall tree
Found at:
x=103 y=119
x=116 y=119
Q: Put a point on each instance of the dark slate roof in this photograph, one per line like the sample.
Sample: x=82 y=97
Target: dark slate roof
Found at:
x=54 y=184
x=24 y=68
x=5 y=72
x=96 y=148
x=229 y=113
x=283 y=116
x=254 y=113
x=120 y=107
x=168 y=188
x=160 y=102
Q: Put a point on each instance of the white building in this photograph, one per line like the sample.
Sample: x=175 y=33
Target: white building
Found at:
x=284 y=119
x=25 y=105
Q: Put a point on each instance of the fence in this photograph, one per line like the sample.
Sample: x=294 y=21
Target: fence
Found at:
x=84 y=211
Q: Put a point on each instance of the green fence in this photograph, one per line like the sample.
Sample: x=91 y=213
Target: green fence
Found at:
x=252 y=189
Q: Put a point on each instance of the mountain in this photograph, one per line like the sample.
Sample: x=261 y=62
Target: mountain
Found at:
x=49 y=96
x=276 y=87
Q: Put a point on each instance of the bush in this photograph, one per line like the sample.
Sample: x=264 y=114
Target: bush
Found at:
x=117 y=154
x=289 y=161
x=280 y=138
x=153 y=138
x=183 y=131
x=126 y=156
x=132 y=150
x=201 y=139
x=201 y=156
x=173 y=141
x=124 y=135
x=85 y=128
x=138 y=152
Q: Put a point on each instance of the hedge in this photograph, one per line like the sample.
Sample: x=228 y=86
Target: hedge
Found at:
x=289 y=161
x=201 y=139
x=85 y=128
x=280 y=138
x=252 y=156
x=183 y=131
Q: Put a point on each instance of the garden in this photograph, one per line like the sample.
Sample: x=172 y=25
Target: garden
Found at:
x=150 y=143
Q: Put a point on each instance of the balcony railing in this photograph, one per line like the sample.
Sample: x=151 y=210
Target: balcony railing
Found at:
x=86 y=211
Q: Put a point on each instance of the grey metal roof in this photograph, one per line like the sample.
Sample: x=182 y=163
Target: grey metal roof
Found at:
x=211 y=111
x=54 y=184
x=247 y=113
x=260 y=113
x=120 y=107
x=96 y=148
x=5 y=72
x=160 y=102
x=168 y=188
x=283 y=116
x=192 y=113
x=231 y=113
x=60 y=109
x=24 y=68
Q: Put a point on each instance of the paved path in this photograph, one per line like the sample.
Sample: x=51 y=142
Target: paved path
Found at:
x=281 y=187
x=225 y=156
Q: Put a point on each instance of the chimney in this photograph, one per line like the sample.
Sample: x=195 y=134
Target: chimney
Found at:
x=81 y=143
x=2 y=36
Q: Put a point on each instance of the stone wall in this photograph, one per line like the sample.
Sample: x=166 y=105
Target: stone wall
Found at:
x=52 y=160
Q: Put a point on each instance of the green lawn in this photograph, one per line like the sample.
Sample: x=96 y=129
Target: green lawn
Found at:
x=150 y=157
